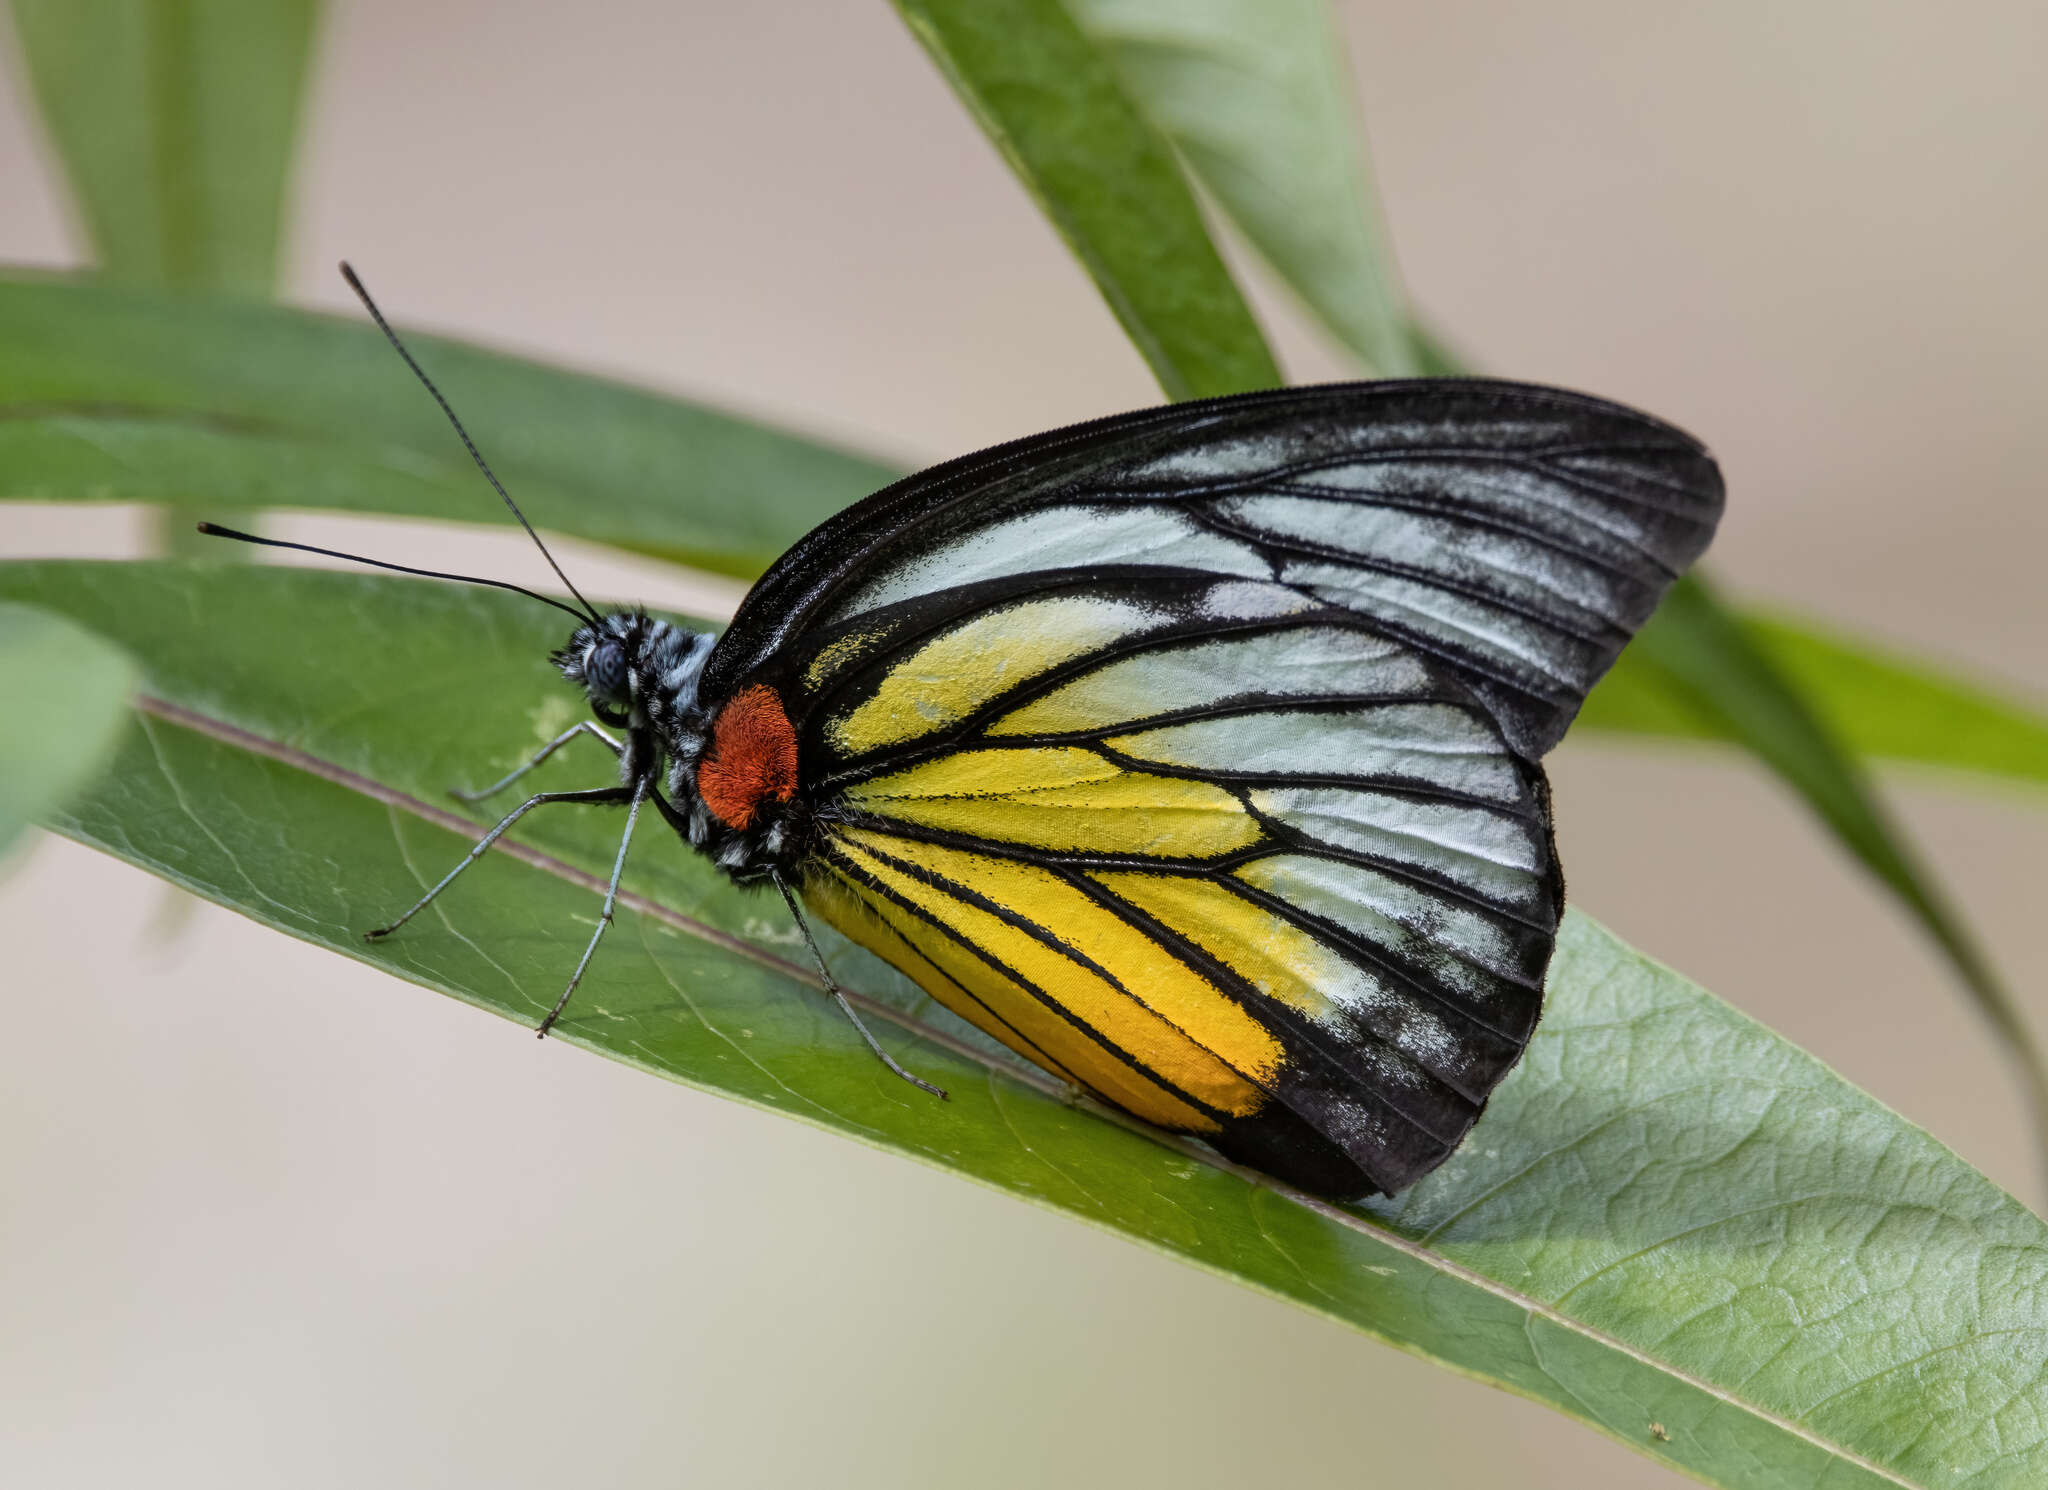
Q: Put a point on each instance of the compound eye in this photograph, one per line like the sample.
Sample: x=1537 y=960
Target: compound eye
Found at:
x=605 y=673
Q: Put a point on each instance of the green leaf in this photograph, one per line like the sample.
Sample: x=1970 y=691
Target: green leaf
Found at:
x=1051 y=102
x=127 y=396
x=1669 y=1224
x=1877 y=702
x=63 y=700
x=1256 y=97
x=175 y=120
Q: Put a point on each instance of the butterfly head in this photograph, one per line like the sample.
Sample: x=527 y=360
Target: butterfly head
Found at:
x=635 y=670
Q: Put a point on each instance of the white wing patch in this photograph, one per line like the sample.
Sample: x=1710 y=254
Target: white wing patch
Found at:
x=1493 y=856
x=1508 y=643
x=1067 y=537
x=1440 y=744
x=1466 y=949
x=1303 y=662
x=1499 y=561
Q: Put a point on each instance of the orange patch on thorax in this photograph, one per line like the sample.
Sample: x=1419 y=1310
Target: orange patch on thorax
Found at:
x=752 y=758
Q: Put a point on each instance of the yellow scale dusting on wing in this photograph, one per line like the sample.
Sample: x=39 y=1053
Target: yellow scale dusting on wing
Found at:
x=1275 y=956
x=1136 y=686
x=832 y=658
x=1150 y=1040
x=1107 y=696
x=1064 y=799
x=955 y=673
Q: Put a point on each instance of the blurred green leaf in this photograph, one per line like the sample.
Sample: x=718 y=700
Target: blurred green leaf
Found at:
x=1257 y=97
x=1877 y=702
x=175 y=120
x=63 y=700
x=1049 y=99
x=1435 y=357
x=1669 y=1224
x=126 y=396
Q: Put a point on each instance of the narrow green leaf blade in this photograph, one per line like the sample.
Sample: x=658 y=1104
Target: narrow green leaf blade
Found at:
x=127 y=396
x=1255 y=95
x=1669 y=1224
x=1049 y=99
x=1878 y=702
x=63 y=702
x=176 y=121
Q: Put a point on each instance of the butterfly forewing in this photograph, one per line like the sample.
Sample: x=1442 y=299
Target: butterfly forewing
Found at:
x=1519 y=534
x=1192 y=754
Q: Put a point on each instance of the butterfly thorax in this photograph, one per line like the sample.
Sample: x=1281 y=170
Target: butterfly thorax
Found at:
x=729 y=769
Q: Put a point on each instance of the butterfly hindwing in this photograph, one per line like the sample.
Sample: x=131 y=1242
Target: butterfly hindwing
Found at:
x=1192 y=754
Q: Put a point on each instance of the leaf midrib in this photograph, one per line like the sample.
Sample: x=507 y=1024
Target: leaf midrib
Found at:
x=367 y=786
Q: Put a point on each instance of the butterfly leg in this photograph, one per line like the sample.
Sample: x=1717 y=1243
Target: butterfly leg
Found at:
x=611 y=899
x=585 y=728
x=832 y=987
x=602 y=794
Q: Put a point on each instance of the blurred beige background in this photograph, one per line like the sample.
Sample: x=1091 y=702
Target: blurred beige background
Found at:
x=270 y=1218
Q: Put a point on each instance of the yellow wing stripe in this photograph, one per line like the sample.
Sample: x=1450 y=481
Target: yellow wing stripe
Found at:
x=966 y=984
x=1306 y=662
x=1065 y=800
x=952 y=675
x=863 y=918
x=990 y=773
x=1135 y=962
x=1275 y=956
x=1116 y=1016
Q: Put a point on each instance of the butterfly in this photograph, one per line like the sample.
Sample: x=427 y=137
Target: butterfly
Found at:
x=1193 y=754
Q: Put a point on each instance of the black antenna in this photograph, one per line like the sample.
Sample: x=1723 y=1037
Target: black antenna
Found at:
x=468 y=444
x=215 y=530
